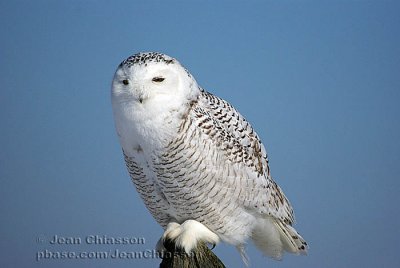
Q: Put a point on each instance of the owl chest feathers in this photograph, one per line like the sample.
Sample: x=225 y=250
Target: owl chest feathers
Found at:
x=146 y=134
x=144 y=126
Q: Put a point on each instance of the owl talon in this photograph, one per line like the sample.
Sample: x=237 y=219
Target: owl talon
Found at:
x=187 y=235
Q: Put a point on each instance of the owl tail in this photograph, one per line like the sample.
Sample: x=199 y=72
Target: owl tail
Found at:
x=273 y=237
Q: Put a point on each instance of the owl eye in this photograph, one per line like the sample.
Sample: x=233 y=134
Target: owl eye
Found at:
x=125 y=82
x=158 y=79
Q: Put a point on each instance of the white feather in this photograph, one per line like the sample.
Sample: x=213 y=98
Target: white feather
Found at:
x=197 y=163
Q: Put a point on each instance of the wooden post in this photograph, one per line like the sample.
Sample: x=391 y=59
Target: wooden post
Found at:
x=200 y=257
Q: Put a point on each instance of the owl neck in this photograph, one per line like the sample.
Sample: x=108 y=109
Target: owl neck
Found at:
x=149 y=125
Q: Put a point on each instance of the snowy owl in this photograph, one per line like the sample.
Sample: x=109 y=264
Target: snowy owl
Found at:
x=196 y=162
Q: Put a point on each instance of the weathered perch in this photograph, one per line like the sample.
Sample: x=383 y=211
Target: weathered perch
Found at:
x=200 y=257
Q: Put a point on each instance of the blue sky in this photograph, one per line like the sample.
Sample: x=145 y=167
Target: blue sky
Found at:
x=319 y=81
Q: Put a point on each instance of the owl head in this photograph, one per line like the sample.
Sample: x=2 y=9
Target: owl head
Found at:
x=152 y=78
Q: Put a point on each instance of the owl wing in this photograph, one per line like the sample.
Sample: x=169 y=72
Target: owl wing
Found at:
x=244 y=151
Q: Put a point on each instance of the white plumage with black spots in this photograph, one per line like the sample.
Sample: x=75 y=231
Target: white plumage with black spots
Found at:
x=196 y=162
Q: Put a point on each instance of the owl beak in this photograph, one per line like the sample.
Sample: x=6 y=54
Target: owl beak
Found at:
x=140 y=95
